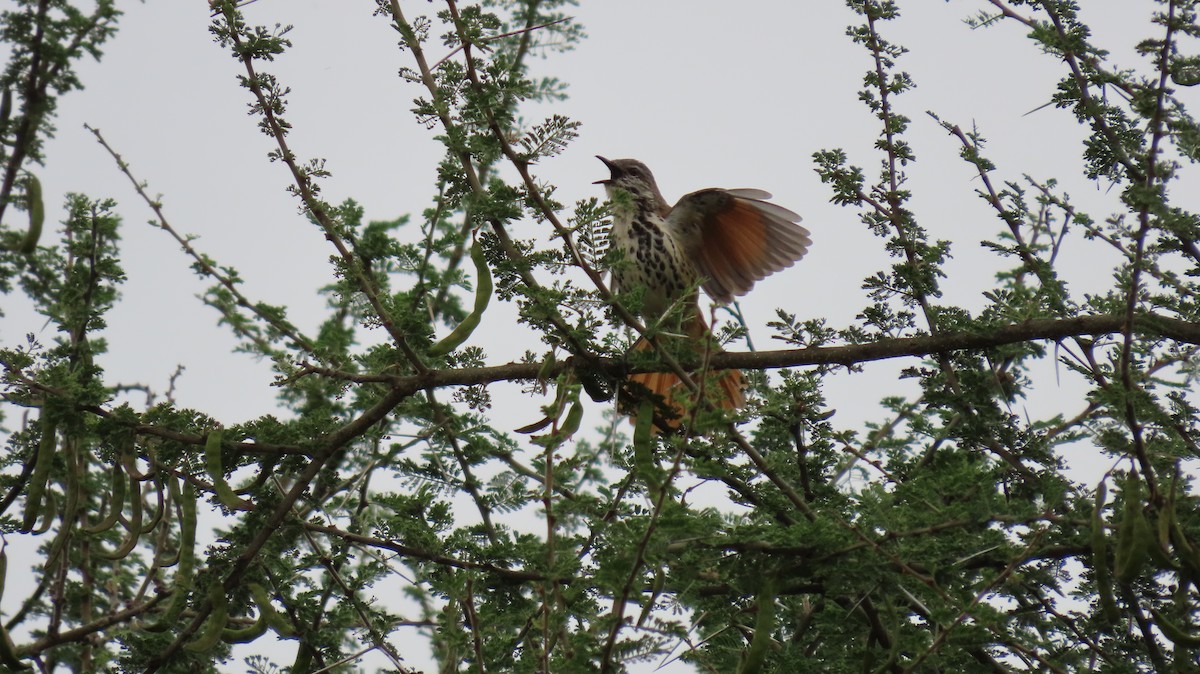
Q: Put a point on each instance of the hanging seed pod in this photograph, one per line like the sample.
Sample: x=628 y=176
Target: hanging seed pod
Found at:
x=211 y=630
x=5 y=107
x=40 y=477
x=183 y=579
x=483 y=296
x=276 y=620
x=244 y=635
x=116 y=502
x=37 y=214
x=153 y=521
x=267 y=617
x=1132 y=531
x=76 y=477
x=134 y=528
x=1108 y=603
x=764 y=625
x=49 y=511
x=216 y=472
x=643 y=447
x=1178 y=635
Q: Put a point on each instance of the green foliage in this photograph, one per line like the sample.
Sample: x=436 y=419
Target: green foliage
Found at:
x=943 y=535
x=43 y=39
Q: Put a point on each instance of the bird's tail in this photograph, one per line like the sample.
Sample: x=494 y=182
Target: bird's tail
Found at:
x=729 y=392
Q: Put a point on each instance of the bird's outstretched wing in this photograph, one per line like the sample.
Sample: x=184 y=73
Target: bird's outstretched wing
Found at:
x=736 y=238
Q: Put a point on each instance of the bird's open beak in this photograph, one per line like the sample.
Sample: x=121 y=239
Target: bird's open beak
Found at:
x=612 y=168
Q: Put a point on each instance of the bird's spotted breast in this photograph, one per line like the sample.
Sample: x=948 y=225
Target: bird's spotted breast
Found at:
x=653 y=260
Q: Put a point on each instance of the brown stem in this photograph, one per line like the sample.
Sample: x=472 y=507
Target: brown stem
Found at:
x=316 y=207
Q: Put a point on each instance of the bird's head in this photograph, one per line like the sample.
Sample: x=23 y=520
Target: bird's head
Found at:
x=630 y=176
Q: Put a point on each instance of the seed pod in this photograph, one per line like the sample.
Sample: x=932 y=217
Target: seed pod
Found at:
x=5 y=106
x=216 y=473
x=76 y=476
x=304 y=658
x=41 y=474
x=1187 y=552
x=1161 y=547
x=37 y=214
x=275 y=619
x=756 y=655
x=244 y=635
x=547 y=365
x=1178 y=636
x=211 y=630
x=483 y=295
x=267 y=617
x=1185 y=70
x=187 y=528
x=571 y=423
x=1154 y=549
x=49 y=510
x=643 y=447
x=128 y=459
x=8 y=653
x=1108 y=603
x=535 y=426
x=1165 y=517
x=116 y=502
x=151 y=523
x=183 y=580
x=134 y=529
x=655 y=591
x=1131 y=533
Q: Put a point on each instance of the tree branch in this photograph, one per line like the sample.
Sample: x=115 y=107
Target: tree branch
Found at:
x=1052 y=329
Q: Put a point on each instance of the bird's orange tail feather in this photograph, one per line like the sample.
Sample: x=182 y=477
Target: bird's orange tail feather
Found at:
x=730 y=393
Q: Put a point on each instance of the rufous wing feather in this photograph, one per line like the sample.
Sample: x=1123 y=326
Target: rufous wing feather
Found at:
x=736 y=238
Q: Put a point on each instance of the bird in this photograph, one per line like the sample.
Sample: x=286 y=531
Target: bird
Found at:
x=721 y=240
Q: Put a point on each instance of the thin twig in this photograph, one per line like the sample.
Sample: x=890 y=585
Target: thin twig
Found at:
x=492 y=38
x=202 y=262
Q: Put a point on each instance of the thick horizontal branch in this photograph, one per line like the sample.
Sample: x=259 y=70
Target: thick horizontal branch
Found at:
x=1036 y=330
x=103 y=623
x=1052 y=329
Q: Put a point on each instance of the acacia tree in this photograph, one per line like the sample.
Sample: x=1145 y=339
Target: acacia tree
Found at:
x=963 y=545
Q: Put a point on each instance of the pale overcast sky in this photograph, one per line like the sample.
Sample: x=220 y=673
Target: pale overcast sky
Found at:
x=707 y=93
